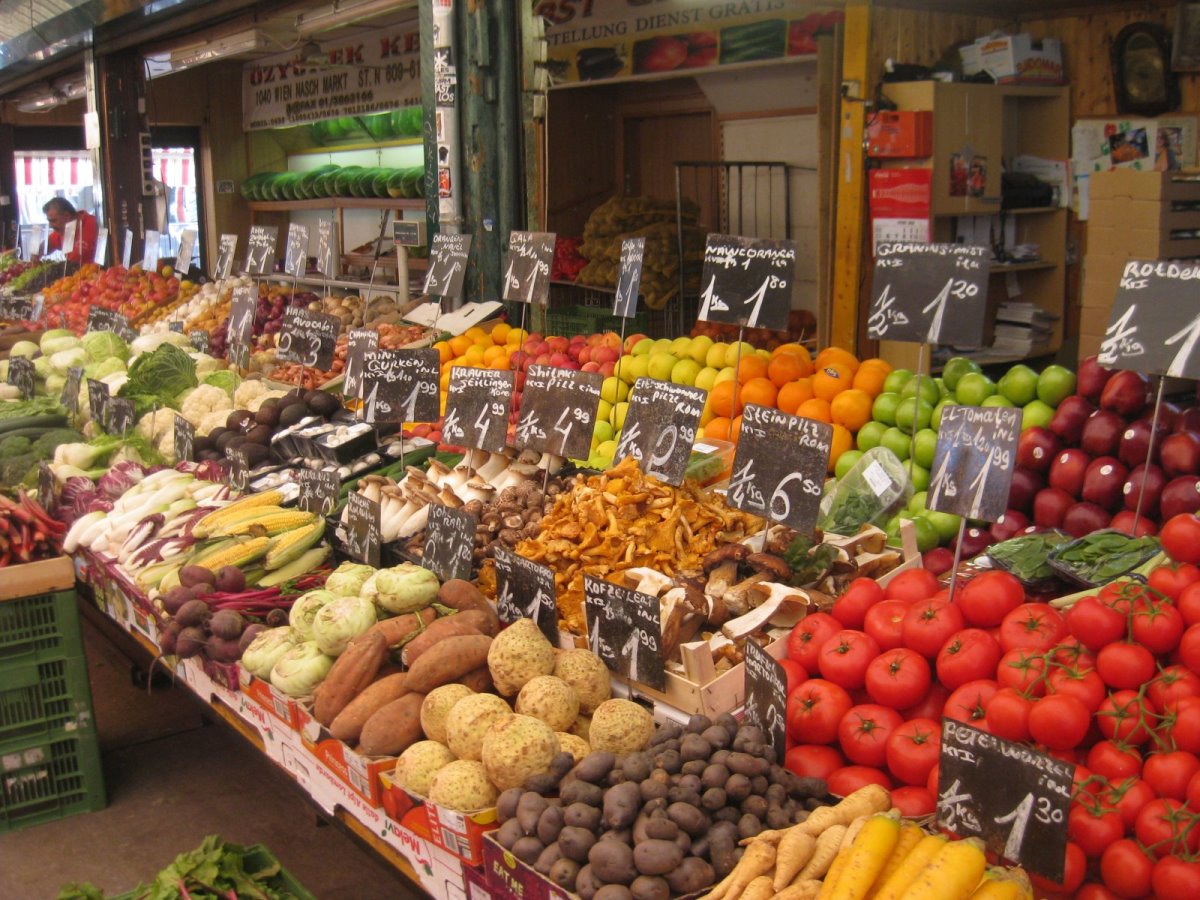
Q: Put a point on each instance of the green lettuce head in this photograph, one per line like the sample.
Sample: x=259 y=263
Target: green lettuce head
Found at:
x=102 y=345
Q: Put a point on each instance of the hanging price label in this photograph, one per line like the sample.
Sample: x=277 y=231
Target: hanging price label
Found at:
x=930 y=293
x=185 y=439
x=187 y=248
x=747 y=281
x=477 y=407
x=98 y=401
x=260 y=249
x=120 y=415
x=527 y=267
x=1155 y=324
x=150 y=251
x=447 y=265
x=295 y=259
x=629 y=277
x=660 y=428
x=239 y=468
x=19 y=309
x=449 y=542
x=974 y=461
x=319 y=490
x=127 y=248
x=200 y=341
x=625 y=631
x=225 y=255
x=401 y=385
x=46 y=486
x=766 y=696
x=328 y=249
x=100 y=257
x=240 y=330
x=22 y=375
x=101 y=319
x=525 y=590
x=362 y=529
x=358 y=342
x=68 y=241
x=70 y=392
x=308 y=338
x=558 y=411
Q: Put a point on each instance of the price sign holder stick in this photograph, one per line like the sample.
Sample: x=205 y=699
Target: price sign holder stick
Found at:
x=387 y=214
x=962 y=530
x=1137 y=513
x=621 y=350
x=912 y=441
x=737 y=367
x=512 y=404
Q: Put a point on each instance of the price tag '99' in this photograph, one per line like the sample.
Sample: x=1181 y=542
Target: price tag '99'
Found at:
x=527 y=267
x=624 y=630
x=401 y=385
x=660 y=428
x=747 y=281
x=974 y=461
x=558 y=411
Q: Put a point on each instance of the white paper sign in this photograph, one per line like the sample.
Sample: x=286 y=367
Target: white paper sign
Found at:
x=68 y=241
x=150 y=255
x=187 y=246
x=99 y=257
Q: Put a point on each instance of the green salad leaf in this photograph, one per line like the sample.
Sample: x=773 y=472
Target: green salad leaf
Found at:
x=156 y=379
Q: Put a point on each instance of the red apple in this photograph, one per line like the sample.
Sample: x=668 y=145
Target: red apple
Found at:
x=938 y=560
x=974 y=542
x=1131 y=523
x=1091 y=378
x=1050 y=507
x=1103 y=480
x=1151 y=479
x=1068 y=420
x=1102 y=433
x=1068 y=470
x=1036 y=448
x=1168 y=418
x=1126 y=393
x=1180 y=496
x=1181 y=454
x=1025 y=485
x=1084 y=518
x=1135 y=442
x=1189 y=419
x=1012 y=523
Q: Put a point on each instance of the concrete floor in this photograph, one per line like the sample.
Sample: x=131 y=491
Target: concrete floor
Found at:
x=172 y=779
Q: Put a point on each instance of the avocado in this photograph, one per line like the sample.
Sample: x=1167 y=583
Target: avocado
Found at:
x=239 y=420
x=268 y=414
x=255 y=454
x=323 y=404
x=226 y=439
x=291 y=414
x=259 y=434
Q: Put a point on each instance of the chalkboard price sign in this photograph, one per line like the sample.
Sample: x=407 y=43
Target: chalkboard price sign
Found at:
x=200 y=341
x=101 y=319
x=308 y=338
x=477 y=407
x=328 y=252
x=260 y=249
x=226 y=251
x=660 y=427
x=185 y=439
x=176 y=327
x=120 y=415
x=239 y=468
x=779 y=466
x=525 y=590
x=1155 y=324
x=930 y=293
x=974 y=461
x=98 y=401
x=295 y=259
x=19 y=309
x=527 y=267
x=624 y=630
x=21 y=375
x=70 y=392
x=362 y=529
x=240 y=330
x=747 y=281
x=401 y=385
x=319 y=490
x=1008 y=794
x=447 y=265
x=45 y=486
x=766 y=695
x=558 y=411
x=449 y=542
x=358 y=342
x=629 y=277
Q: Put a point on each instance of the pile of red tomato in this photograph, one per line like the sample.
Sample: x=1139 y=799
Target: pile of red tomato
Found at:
x=1111 y=683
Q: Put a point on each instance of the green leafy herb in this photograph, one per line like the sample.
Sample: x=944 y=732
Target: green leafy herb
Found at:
x=1028 y=556
x=1100 y=557
x=809 y=563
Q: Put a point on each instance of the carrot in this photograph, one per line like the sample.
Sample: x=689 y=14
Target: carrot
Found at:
x=759 y=888
x=826 y=849
x=952 y=875
x=910 y=836
x=843 y=854
x=800 y=890
x=759 y=859
x=1004 y=884
x=906 y=873
x=795 y=850
x=864 y=859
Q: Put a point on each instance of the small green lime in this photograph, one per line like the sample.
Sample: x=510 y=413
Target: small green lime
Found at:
x=924 y=447
x=884 y=408
x=927 y=535
x=869 y=435
x=846 y=462
x=912 y=415
x=897 y=441
x=896 y=380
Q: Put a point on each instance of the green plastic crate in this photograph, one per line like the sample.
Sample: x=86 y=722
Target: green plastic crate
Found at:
x=42 y=781
x=42 y=698
x=39 y=627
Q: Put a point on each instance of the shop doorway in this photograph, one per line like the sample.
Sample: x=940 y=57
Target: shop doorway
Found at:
x=179 y=203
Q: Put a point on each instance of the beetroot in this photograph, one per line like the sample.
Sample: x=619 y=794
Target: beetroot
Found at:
x=230 y=580
x=218 y=649
x=277 y=618
x=190 y=642
x=175 y=598
x=248 y=636
x=168 y=638
x=192 y=575
x=193 y=613
x=227 y=624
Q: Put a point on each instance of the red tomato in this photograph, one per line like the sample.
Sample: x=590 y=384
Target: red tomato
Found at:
x=863 y=733
x=845 y=656
x=804 y=643
x=1189 y=648
x=1193 y=792
x=813 y=760
x=1162 y=822
x=1128 y=797
x=1170 y=773
x=1095 y=624
x=1175 y=879
x=885 y=623
x=1032 y=626
x=912 y=585
x=1008 y=714
x=1121 y=595
x=1059 y=721
x=1022 y=670
x=1085 y=685
x=1172 y=685
x=927 y=626
x=1072 y=653
x=912 y=750
x=1074 y=869
x=849 y=779
x=852 y=607
x=968 y=655
x=898 y=678
x=1173 y=579
x=796 y=675
x=1126 y=869
x=1181 y=727
x=1125 y=665
x=1114 y=761
x=1189 y=604
x=931 y=704
x=1093 y=829
x=969 y=702
x=989 y=597
x=814 y=710
x=1092 y=891
x=1124 y=716
x=913 y=801
x=1180 y=537
x=1157 y=626
x=1084 y=780
x=932 y=784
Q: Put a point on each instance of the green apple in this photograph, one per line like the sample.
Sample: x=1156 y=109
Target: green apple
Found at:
x=1018 y=384
x=633 y=367
x=913 y=414
x=896 y=380
x=956 y=367
x=846 y=462
x=897 y=441
x=735 y=350
x=618 y=415
x=1036 y=413
x=920 y=477
x=604 y=411
x=661 y=365
x=892 y=530
x=935 y=420
x=685 y=371
x=945 y=523
x=973 y=388
x=998 y=400
x=924 y=447
x=602 y=432
x=1055 y=384
x=884 y=408
x=728 y=373
x=643 y=347
x=927 y=535
x=929 y=389
x=613 y=390
x=699 y=349
x=916 y=503
x=869 y=435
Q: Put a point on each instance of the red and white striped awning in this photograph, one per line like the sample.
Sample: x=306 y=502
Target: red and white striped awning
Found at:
x=54 y=169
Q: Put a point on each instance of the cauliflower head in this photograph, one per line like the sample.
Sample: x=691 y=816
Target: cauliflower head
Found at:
x=204 y=400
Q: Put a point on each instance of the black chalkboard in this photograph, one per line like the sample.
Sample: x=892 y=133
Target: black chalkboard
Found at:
x=624 y=630
x=1010 y=795
x=319 y=489
x=185 y=439
x=260 y=249
x=200 y=341
x=225 y=254
x=358 y=342
x=974 y=461
x=240 y=330
x=629 y=277
x=176 y=327
x=449 y=542
x=101 y=319
x=295 y=258
x=401 y=385
x=98 y=397
x=239 y=468
x=120 y=415
x=408 y=233
x=1155 y=323
x=328 y=251
x=18 y=309
x=362 y=529
x=766 y=696
x=22 y=375
x=70 y=391
x=447 y=265
x=525 y=590
x=527 y=267
x=747 y=281
x=660 y=427
x=477 y=407
x=46 y=486
x=779 y=466
x=308 y=338
x=558 y=411
x=930 y=293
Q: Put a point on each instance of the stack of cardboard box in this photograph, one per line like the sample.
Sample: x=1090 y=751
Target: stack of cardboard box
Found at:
x=1132 y=215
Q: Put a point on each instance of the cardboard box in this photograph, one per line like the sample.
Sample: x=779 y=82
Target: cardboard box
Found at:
x=1139 y=243
x=458 y=832
x=1157 y=215
x=266 y=695
x=1019 y=59
x=477 y=884
x=1182 y=186
x=360 y=772
x=902 y=133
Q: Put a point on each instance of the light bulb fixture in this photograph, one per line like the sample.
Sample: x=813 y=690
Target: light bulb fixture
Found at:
x=72 y=87
x=341 y=12
x=218 y=48
x=311 y=54
x=39 y=98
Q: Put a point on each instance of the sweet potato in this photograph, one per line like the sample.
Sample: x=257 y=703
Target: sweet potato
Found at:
x=399 y=630
x=462 y=595
x=348 y=724
x=349 y=676
x=470 y=621
x=479 y=680
x=392 y=727
x=448 y=661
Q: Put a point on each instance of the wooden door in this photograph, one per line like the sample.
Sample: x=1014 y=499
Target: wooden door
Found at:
x=652 y=146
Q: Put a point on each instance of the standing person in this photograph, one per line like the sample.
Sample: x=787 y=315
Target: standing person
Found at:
x=59 y=212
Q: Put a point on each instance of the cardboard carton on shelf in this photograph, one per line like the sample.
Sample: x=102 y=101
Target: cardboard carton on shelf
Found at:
x=460 y=833
x=1015 y=59
x=360 y=772
x=1182 y=186
x=270 y=698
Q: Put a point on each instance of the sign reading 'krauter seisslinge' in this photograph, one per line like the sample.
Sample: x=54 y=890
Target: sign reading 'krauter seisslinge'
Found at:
x=477 y=406
x=660 y=428
x=525 y=590
x=930 y=293
x=558 y=411
x=101 y=319
x=1155 y=324
x=625 y=631
x=747 y=281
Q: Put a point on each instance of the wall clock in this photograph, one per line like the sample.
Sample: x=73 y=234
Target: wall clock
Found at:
x=1142 y=78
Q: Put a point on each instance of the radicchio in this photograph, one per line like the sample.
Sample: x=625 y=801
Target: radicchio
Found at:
x=77 y=493
x=120 y=478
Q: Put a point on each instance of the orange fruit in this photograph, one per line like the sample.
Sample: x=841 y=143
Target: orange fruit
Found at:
x=460 y=344
x=493 y=353
x=500 y=332
x=760 y=391
x=473 y=355
x=735 y=428
x=870 y=379
x=851 y=408
x=717 y=429
x=792 y=394
x=797 y=349
x=445 y=354
x=839 y=356
x=841 y=442
x=475 y=333
x=722 y=399
x=831 y=379
x=751 y=367
x=786 y=367
x=878 y=363
x=815 y=408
